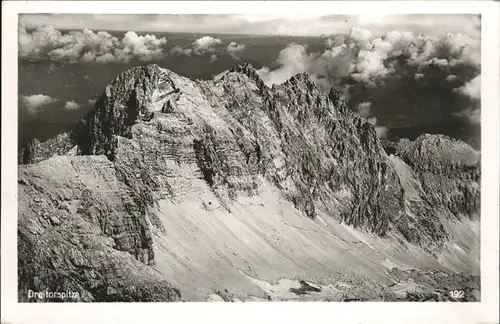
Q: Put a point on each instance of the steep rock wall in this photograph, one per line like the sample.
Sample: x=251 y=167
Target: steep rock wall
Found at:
x=81 y=230
x=161 y=135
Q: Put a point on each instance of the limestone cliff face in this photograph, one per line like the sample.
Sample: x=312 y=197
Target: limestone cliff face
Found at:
x=449 y=171
x=81 y=230
x=161 y=133
x=36 y=151
x=311 y=146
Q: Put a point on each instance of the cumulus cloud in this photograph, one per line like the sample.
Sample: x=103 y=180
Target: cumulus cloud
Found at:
x=381 y=131
x=200 y=47
x=292 y=60
x=360 y=34
x=34 y=103
x=419 y=76
x=384 y=68
x=178 y=50
x=91 y=102
x=364 y=109
x=331 y=41
x=85 y=45
x=472 y=88
x=448 y=51
x=71 y=105
x=472 y=91
x=234 y=49
x=362 y=57
x=204 y=45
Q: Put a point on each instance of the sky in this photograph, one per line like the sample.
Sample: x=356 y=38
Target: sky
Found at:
x=296 y=25
x=399 y=72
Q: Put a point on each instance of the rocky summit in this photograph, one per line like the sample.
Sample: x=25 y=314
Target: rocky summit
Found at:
x=180 y=190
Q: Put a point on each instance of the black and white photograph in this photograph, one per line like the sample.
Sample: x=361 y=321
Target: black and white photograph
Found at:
x=249 y=157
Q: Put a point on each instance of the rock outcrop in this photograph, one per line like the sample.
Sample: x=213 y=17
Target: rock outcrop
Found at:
x=36 y=151
x=448 y=170
x=81 y=230
x=154 y=135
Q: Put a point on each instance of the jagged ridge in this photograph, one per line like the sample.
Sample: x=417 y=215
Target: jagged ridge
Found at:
x=312 y=147
x=326 y=147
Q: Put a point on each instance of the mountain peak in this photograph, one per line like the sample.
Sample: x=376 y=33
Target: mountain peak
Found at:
x=207 y=162
x=249 y=71
x=135 y=95
x=437 y=151
x=301 y=79
x=243 y=67
x=136 y=72
x=149 y=101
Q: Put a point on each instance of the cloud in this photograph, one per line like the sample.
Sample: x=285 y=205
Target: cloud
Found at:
x=46 y=42
x=360 y=34
x=381 y=131
x=363 y=109
x=472 y=91
x=331 y=41
x=178 y=50
x=361 y=57
x=34 y=103
x=419 y=76
x=472 y=115
x=472 y=88
x=383 y=70
x=71 y=105
x=234 y=49
x=106 y=58
x=448 y=51
x=257 y=24
x=204 y=45
x=292 y=60
x=369 y=66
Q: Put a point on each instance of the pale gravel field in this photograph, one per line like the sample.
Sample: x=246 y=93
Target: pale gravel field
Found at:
x=261 y=247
